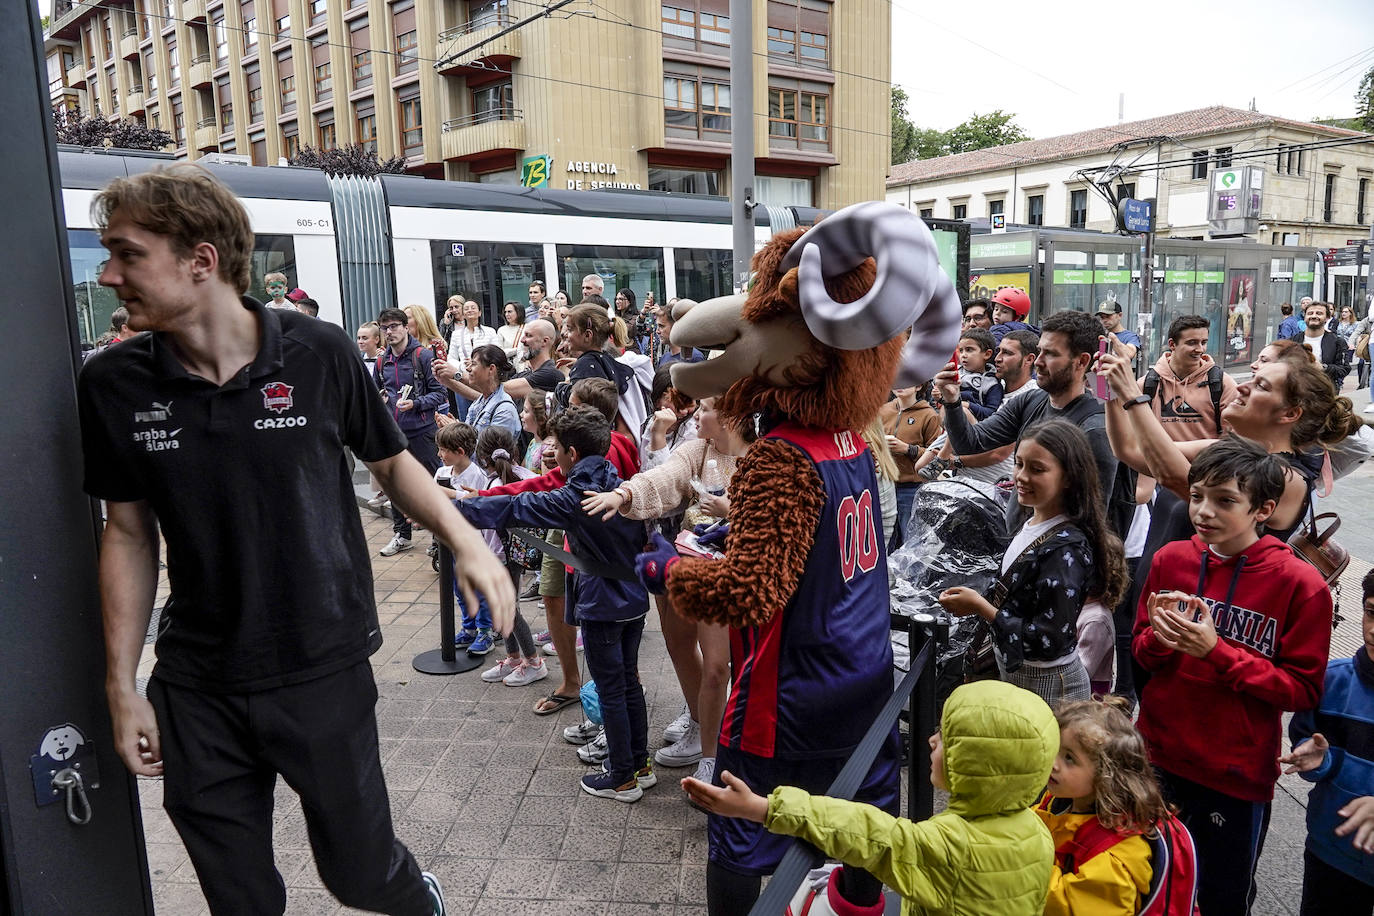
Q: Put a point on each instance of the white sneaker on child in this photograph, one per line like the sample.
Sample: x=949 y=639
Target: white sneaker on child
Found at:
x=581 y=734
x=527 y=673
x=706 y=770
x=501 y=670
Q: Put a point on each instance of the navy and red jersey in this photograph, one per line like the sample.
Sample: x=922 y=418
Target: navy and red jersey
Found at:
x=811 y=680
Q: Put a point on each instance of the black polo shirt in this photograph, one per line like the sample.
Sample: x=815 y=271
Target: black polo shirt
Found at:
x=270 y=574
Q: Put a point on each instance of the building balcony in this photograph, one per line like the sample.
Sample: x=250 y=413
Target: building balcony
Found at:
x=128 y=44
x=66 y=14
x=134 y=100
x=193 y=10
x=201 y=73
x=207 y=134
x=496 y=51
x=479 y=135
x=76 y=76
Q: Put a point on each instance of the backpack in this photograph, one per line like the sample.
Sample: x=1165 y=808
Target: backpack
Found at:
x=1214 y=388
x=1173 y=861
x=419 y=386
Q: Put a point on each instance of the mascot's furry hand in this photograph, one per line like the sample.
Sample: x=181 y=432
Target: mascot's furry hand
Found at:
x=712 y=534
x=653 y=564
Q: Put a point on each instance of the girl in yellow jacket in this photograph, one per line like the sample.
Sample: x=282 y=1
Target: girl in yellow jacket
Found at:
x=1102 y=774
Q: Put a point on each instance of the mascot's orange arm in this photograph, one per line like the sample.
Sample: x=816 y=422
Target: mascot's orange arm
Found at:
x=775 y=505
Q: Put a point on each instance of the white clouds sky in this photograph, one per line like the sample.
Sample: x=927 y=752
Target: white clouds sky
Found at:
x=1060 y=66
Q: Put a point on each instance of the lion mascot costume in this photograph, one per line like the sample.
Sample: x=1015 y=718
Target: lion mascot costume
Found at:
x=833 y=318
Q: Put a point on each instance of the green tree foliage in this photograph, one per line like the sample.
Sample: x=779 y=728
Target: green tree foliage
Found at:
x=354 y=159
x=979 y=132
x=99 y=131
x=996 y=128
x=1364 y=102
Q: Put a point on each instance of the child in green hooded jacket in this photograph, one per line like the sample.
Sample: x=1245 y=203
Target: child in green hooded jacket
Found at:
x=987 y=852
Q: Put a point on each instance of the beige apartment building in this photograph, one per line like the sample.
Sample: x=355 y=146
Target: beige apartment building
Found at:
x=625 y=94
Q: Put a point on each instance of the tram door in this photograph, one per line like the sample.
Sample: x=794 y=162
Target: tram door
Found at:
x=1238 y=342
x=489 y=273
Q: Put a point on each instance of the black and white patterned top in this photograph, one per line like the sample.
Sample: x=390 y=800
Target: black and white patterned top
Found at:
x=1046 y=590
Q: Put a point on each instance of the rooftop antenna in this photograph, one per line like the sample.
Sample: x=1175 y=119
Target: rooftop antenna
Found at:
x=1121 y=108
x=1252 y=104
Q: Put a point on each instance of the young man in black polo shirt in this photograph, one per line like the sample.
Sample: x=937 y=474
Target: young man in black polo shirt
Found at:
x=226 y=426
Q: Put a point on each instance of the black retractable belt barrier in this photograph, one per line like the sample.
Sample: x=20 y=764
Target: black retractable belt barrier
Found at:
x=918 y=684
x=446 y=659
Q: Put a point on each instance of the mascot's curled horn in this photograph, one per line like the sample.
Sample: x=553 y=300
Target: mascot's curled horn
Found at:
x=811 y=353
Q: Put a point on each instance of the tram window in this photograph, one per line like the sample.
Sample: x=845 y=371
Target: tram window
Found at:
x=271 y=254
x=94 y=303
x=702 y=273
x=640 y=269
x=489 y=273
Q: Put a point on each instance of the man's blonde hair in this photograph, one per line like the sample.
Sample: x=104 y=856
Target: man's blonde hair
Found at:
x=188 y=205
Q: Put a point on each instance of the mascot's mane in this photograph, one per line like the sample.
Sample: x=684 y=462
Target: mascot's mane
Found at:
x=828 y=388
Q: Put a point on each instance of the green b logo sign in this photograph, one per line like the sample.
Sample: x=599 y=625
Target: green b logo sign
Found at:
x=534 y=172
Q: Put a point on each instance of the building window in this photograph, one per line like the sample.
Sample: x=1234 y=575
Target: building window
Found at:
x=1078 y=209
x=250 y=34
x=257 y=145
x=362 y=69
x=1223 y=157
x=487 y=14
x=288 y=92
x=284 y=27
x=1200 y=164
x=1360 y=200
x=68 y=59
x=1329 y=200
x=927 y=213
x=407 y=52
x=367 y=132
x=291 y=143
x=226 y=109
x=173 y=74
x=996 y=207
x=793 y=114
x=493 y=103
x=961 y=211
x=329 y=137
x=324 y=83
x=1035 y=209
x=150 y=72
x=684 y=181
x=255 y=104
x=679 y=22
x=696 y=106
x=412 y=129
x=319 y=10
x=783 y=192
x=109 y=38
x=221 y=42
x=179 y=127
x=714 y=29
x=798 y=32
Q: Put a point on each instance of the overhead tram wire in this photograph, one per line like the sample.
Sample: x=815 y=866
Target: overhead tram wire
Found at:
x=1326 y=68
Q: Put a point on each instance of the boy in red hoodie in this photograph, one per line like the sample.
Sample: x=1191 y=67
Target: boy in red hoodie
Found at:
x=1234 y=629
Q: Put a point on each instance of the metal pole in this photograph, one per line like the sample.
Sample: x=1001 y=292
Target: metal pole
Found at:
x=1147 y=275
x=742 y=136
x=445 y=659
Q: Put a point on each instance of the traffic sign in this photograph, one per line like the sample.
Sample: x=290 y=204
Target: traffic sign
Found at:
x=1135 y=215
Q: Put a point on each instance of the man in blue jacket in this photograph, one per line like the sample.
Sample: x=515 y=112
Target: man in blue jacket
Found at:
x=405 y=374
x=608 y=602
x=1333 y=747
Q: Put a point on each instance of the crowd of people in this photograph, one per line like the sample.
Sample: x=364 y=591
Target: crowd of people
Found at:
x=1149 y=628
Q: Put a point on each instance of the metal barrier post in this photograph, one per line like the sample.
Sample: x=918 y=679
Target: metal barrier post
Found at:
x=445 y=659
x=920 y=799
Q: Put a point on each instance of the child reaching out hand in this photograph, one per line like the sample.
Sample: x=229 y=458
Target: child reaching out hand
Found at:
x=987 y=852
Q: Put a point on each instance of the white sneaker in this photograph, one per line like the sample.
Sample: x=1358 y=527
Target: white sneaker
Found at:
x=581 y=734
x=397 y=544
x=706 y=770
x=548 y=648
x=501 y=670
x=378 y=501
x=595 y=750
x=673 y=733
x=683 y=752
x=527 y=673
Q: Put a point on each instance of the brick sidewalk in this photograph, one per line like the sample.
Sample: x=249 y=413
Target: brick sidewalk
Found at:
x=484 y=792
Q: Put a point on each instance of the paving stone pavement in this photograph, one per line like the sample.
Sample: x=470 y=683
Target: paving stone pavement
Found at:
x=485 y=793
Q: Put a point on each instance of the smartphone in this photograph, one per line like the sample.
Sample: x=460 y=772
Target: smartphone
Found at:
x=1101 y=388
